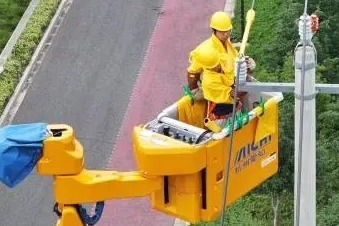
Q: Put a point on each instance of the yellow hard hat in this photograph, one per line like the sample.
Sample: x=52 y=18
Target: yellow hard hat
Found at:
x=207 y=57
x=221 y=21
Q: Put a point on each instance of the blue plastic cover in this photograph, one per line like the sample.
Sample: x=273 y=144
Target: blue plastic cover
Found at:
x=20 y=150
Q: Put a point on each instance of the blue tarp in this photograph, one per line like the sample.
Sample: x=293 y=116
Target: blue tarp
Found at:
x=20 y=150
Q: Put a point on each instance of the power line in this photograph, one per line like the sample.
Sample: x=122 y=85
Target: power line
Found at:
x=228 y=155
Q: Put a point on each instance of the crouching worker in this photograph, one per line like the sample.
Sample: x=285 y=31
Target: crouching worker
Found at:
x=217 y=86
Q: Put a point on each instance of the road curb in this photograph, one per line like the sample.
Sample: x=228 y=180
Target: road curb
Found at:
x=179 y=222
x=6 y=52
x=26 y=79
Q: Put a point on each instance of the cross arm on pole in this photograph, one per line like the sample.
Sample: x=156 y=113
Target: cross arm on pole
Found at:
x=285 y=87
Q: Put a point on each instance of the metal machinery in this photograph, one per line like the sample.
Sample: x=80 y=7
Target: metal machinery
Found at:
x=180 y=165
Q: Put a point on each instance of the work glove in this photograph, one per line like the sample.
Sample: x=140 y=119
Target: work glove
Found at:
x=250 y=63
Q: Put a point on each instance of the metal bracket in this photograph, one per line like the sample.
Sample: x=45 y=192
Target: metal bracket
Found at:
x=285 y=87
x=308 y=66
x=306 y=97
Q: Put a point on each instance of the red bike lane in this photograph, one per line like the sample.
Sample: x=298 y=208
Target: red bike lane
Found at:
x=180 y=27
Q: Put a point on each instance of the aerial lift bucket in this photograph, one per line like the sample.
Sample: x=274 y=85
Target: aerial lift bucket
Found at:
x=191 y=159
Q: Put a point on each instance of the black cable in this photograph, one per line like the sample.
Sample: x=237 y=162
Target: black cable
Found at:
x=201 y=136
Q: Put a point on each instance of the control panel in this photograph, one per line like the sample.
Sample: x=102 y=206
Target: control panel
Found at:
x=179 y=131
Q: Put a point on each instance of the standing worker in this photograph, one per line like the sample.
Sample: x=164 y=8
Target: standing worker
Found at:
x=221 y=25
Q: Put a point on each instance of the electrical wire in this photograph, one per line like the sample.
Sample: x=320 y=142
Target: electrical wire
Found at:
x=305 y=7
x=228 y=155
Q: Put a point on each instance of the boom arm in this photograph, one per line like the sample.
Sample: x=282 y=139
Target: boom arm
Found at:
x=73 y=184
x=90 y=186
x=93 y=185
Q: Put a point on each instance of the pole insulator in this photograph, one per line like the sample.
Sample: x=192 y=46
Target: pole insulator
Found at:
x=305 y=20
x=241 y=70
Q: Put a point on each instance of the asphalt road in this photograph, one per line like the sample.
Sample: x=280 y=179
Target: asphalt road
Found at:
x=85 y=80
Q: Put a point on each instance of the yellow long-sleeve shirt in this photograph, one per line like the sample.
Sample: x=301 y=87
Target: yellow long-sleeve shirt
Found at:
x=217 y=87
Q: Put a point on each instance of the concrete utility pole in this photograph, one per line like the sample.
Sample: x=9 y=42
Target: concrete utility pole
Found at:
x=305 y=139
x=305 y=91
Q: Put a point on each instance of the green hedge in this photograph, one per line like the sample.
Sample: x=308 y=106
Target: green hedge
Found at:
x=10 y=13
x=24 y=49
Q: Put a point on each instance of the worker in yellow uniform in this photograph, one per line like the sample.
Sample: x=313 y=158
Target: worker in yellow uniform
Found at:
x=221 y=26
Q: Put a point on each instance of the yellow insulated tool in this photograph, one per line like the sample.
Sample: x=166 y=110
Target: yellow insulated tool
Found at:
x=249 y=21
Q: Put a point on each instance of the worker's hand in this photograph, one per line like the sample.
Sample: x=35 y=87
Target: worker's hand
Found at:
x=250 y=63
x=192 y=80
x=240 y=94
